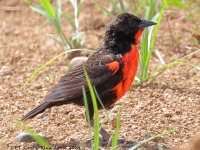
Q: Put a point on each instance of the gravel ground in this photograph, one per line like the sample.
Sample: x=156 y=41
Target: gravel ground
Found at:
x=171 y=101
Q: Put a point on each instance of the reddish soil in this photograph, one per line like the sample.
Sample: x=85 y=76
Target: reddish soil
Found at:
x=171 y=101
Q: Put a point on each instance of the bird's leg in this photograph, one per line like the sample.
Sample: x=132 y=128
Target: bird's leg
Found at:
x=104 y=134
x=102 y=131
x=106 y=138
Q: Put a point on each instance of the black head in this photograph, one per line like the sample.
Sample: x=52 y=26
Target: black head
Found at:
x=126 y=28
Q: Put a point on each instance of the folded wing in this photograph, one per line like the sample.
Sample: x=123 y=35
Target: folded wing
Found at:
x=100 y=69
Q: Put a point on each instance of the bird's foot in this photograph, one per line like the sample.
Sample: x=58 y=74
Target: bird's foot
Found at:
x=107 y=140
x=120 y=143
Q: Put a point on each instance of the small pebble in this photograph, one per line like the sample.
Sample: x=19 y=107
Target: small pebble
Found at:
x=50 y=42
x=77 y=61
x=7 y=31
x=71 y=116
x=178 y=112
x=167 y=114
x=16 y=32
x=20 y=105
x=5 y=70
x=38 y=87
x=162 y=121
x=45 y=118
x=26 y=137
x=175 y=119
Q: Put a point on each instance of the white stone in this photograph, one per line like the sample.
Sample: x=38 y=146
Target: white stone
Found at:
x=26 y=137
x=6 y=70
x=77 y=61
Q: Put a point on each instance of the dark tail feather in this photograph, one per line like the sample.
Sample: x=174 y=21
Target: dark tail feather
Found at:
x=41 y=108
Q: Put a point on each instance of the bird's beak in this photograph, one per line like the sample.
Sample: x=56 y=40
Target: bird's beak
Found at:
x=145 y=23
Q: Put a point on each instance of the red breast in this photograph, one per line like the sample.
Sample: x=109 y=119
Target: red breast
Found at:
x=130 y=61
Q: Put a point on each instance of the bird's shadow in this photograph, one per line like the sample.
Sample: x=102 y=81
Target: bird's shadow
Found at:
x=174 y=88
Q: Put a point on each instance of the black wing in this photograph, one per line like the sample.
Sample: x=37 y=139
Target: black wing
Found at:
x=70 y=86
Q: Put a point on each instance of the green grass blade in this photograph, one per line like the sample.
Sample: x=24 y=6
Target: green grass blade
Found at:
x=145 y=41
x=70 y=68
x=40 y=10
x=122 y=5
x=105 y=10
x=151 y=138
x=87 y=109
x=148 y=40
x=58 y=39
x=42 y=67
x=150 y=29
x=191 y=65
x=115 y=139
x=48 y=7
x=80 y=6
x=58 y=11
x=160 y=147
x=95 y=107
x=40 y=140
x=146 y=50
x=23 y=126
x=151 y=9
x=141 y=6
x=143 y=54
x=56 y=20
x=73 y=3
x=160 y=57
x=76 y=21
x=49 y=62
x=114 y=5
x=161 y=69
x=107 y=114
x=147 y=132
x=154 y=37
x=97 y=96
x=70 y=21
x=157 y=25
x=86 y=104
x=184 y=57
x=1 y=142
x=77 y=35
x=176 y=3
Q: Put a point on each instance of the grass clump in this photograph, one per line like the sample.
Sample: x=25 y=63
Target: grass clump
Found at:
x=46 y=9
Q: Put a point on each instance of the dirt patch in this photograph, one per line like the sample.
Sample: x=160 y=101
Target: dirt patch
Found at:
x=172 y=101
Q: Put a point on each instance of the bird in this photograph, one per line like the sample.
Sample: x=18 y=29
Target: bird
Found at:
x=111 y=69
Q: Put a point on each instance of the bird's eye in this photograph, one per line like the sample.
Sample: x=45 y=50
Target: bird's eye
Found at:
x=132 y=22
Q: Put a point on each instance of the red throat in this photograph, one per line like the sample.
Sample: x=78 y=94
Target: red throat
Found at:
x=137 y=36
